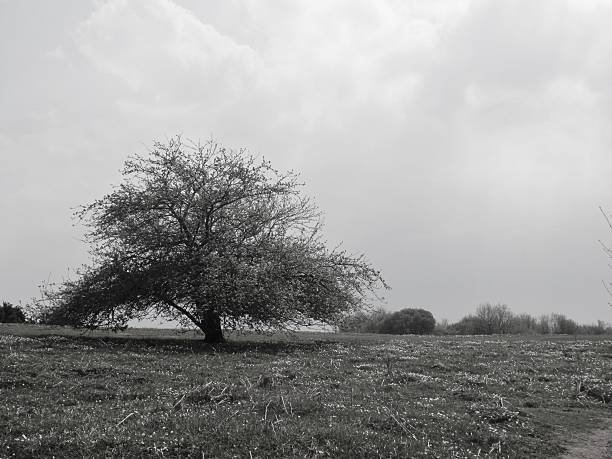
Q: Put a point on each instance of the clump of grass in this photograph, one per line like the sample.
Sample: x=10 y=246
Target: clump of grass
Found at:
x=596 y=389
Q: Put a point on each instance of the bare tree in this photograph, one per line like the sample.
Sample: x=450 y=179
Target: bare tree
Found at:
x=494 y=318
x=486 y=316
x=608 y=251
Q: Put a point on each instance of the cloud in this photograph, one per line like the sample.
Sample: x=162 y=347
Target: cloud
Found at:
x=161 y=51
x=318 y=62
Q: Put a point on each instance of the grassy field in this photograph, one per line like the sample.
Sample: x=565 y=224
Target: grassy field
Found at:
x=152 y=393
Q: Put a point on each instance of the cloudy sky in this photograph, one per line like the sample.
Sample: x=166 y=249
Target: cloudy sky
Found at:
x=464 y=146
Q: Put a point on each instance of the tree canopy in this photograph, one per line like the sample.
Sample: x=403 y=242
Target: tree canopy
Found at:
x=213 y=237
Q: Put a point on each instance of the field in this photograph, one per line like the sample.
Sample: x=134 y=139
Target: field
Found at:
x=159 y=393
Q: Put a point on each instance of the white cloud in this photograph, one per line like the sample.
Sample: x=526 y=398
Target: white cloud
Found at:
x=161 y=50
x=317 y=61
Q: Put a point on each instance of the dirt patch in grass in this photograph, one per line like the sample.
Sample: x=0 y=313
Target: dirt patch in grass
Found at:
x=593 y=444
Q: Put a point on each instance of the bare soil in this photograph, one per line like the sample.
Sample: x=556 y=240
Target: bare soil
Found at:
x=596 y=444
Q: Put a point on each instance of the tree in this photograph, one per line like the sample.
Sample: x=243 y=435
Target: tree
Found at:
x=563 y=326
x=503 y=318
x=607 y=250
x=544 y=326
x=11 y=314
x=523 y=324
x=486 y=316
x=213 y=237
x=494 y=318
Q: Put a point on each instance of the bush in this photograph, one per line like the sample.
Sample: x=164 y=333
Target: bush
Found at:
x=11 y=314
x=442 y=328
x=408 y=321
x=363 y=321
x=469 y=325
x=600 y=328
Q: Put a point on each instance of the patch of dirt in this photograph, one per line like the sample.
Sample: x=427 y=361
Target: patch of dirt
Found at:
x=596 y=444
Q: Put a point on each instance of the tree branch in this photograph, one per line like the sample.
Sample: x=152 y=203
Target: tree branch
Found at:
x=183 y=311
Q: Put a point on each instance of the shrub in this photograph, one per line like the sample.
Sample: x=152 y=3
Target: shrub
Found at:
x=408 y=321
x=469 y=325
x=11 y=314
x=49 y=316
x=363 y=321
x=600 y=328
x=442 y=327
x=405 y=321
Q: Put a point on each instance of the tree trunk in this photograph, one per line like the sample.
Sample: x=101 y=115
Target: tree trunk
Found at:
x=211 y=326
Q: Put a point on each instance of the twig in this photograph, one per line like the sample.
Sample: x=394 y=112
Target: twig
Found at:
x=266 y=412
x=401 y=424
x=178 y=404
x=126 y=418
x=606 y=217
x=284 y=405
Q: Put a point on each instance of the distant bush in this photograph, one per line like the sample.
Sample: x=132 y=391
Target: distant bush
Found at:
x=11 y=314
x=408 y=321
x=468 y=325
x=51 y=316
x=405 y=321
x=442 y=327
x=600 y=328
x=363 y=321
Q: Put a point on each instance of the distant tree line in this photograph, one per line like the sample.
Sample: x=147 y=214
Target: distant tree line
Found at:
x=488 y=319
x=492 y=319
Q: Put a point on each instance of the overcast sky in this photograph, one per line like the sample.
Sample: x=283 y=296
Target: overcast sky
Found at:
x=463 y=146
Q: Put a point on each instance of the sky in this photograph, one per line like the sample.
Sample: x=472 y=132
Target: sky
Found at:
x=464 y=146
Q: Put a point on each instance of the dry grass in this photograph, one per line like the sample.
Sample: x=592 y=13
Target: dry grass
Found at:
x=310 y=395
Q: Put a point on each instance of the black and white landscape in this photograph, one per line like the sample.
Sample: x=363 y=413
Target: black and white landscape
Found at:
x=336 y=228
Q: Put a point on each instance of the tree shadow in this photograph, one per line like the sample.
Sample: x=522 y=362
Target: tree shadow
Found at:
x=198 y=345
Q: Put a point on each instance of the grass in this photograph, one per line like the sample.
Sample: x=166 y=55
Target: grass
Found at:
x=152 y=393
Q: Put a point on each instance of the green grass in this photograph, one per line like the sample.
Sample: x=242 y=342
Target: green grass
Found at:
x=152 y=393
